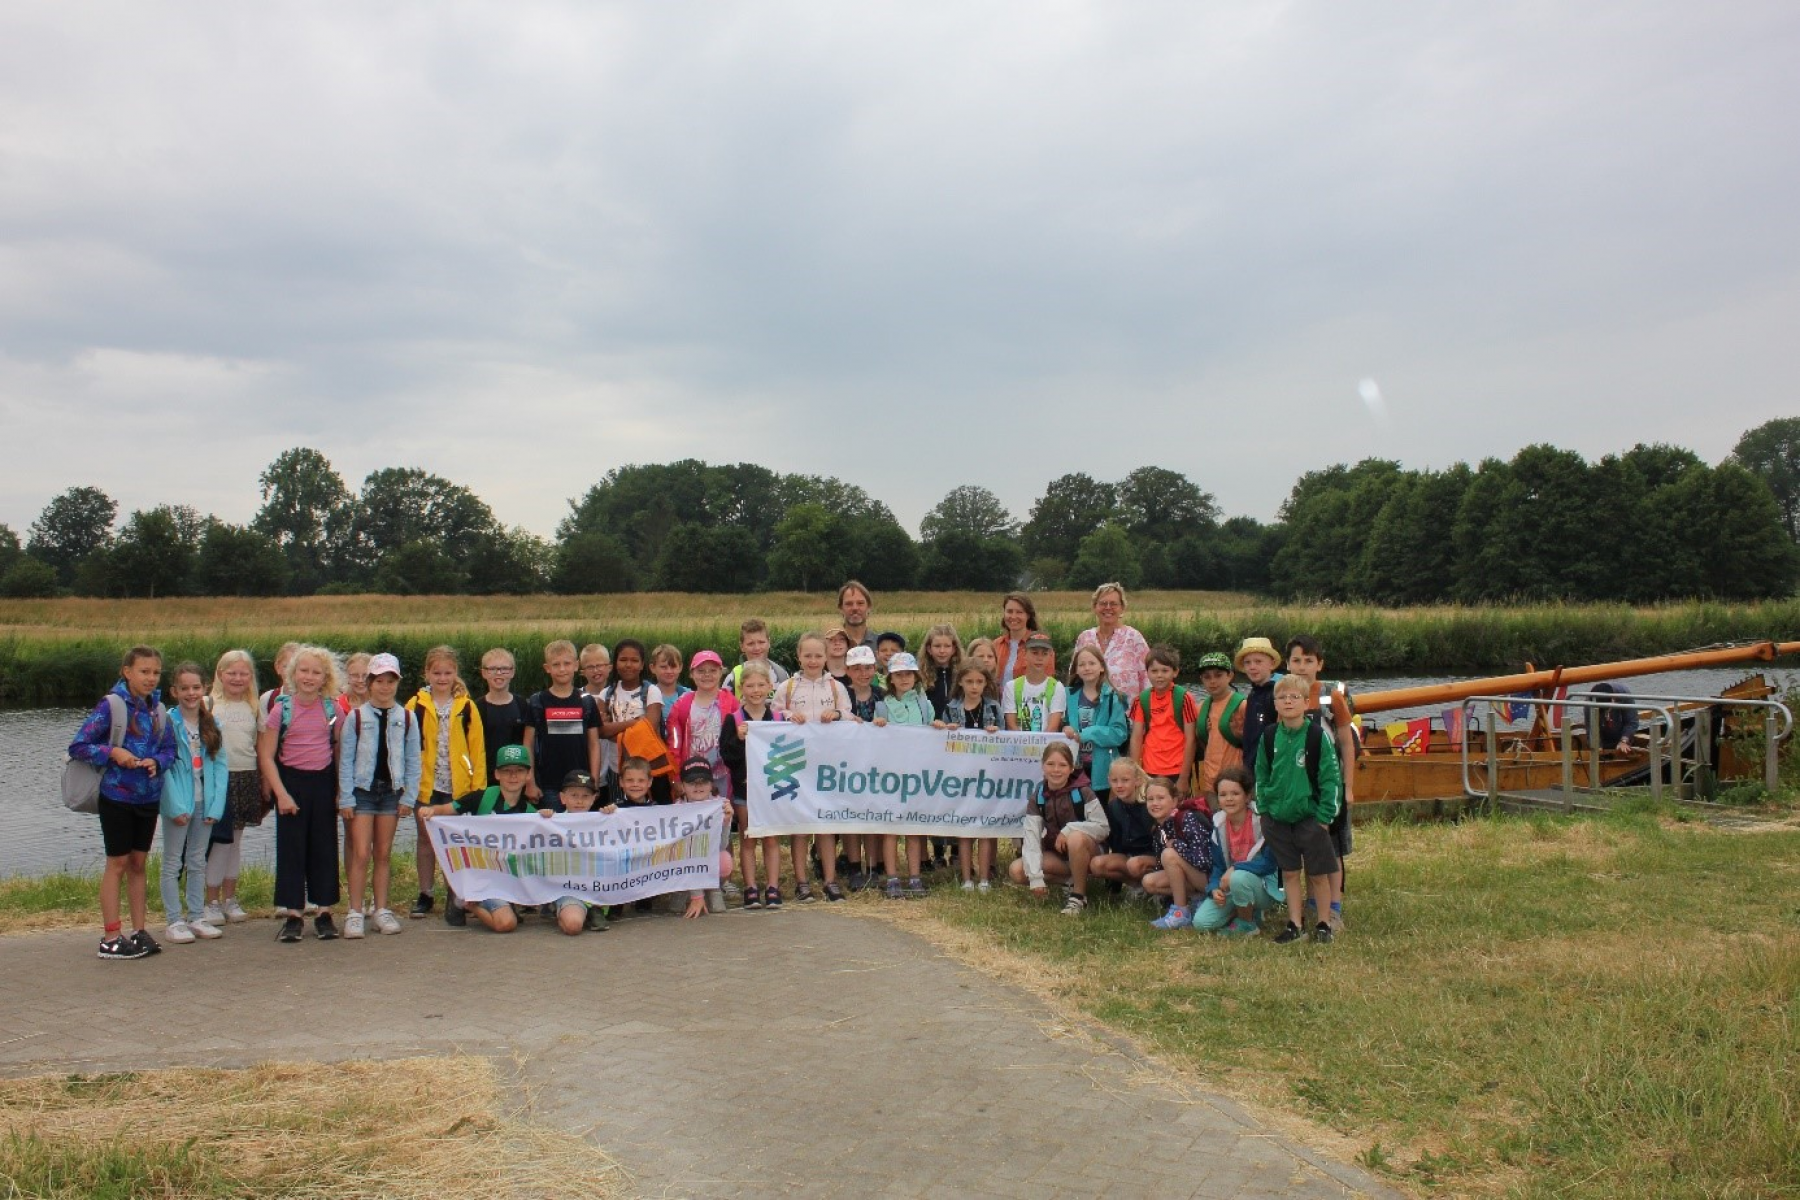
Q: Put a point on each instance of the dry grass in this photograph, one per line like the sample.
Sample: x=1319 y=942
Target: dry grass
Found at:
x=407 y=1129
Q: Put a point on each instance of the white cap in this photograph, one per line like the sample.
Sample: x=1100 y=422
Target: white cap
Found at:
x=384 y=664
x=859 y=656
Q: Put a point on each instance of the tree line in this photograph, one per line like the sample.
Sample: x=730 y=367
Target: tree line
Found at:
x=1655 y=522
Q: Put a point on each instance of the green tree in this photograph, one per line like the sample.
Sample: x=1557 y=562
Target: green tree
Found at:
x=1106 y=555
x=698 y=558
x=72 y=526
x=880 y=552
x=1409 y=555
x=235 y=561
x=1071 y=507
x=10 y=549
x=968 y=509
x=809 y=550
x=153 y=555
x=1159 y=505
x=509 y=562
x=400 y=506
x=592 y=563
x=1327 y=518
x=962 y=561
x=28 y=579
x=1771 y=452
x=306 y=509
x=419 y=569
x=1734 y=535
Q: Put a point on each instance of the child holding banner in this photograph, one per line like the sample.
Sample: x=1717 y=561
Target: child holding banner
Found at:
x=573 y=914
x=697 y=788
x=505 y=798
x=813 y=695
x=755 y=686
x=907 y=704
x=974 y=706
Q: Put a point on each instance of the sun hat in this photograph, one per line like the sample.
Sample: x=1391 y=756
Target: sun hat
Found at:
x=703 y=657
x=1255 y=645
x=837 y=631
x=512 y=756
x=384 y=664
x=902 y=661
x=1216 y=660
x=859 y=656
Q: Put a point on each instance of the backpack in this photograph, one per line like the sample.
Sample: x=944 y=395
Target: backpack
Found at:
x=81 y=780
x=490 y=800
x=1177 y=702
x=1050 y=688
x=1315 y=737
x=1231 y=706
x=406 y=722
x=286 y=704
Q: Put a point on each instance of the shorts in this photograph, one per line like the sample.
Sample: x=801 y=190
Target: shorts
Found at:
x=1296 y=842
x=371 y=804
x=563 y=902
x=127 y=828
x=494 y=905
x=1342 y=839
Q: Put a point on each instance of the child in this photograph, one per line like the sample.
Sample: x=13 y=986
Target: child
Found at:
x=697 y=724
x=753 y=647
x=983 y=651
x=1244 y=882
x=886 y=646
x=1096 y=715
x=596 y=673
x=907 y=704
x=193 y=801
x=973 y=707
x=1257 y=659
x=1162 y=721
x=635 y=784
x=502 y=713
x=452 y=760
x=233 y=706
x=1219 y=727
x=1064 y=827
x=283 y=657
x=628 y=699
x=295 y=749
x=562 y=728
x=1331 y=704
x=697 y=788
x=380 y=765
x=837 y=653
x=573 y=914
x=939 y=654
x=813 y=695
x=1297 y=786
x=866 y=704
x=130 y=739
x=755 y=690
x=504 y=798
x=1183 y=851
x=1035 y=702
x=356 y=682
x=1130 y=839
x=665 y=667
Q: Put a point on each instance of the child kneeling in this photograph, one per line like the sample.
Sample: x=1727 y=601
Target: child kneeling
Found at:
x=697 y=788
x=1245 y=881
x=573 y=914
x=512 y=767
x=1183 y=842
x=1065 y=827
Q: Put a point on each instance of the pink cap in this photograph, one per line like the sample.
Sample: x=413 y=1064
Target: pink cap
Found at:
x=704 y=657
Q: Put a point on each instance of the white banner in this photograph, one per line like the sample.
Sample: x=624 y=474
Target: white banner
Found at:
x=606 y=858
x=847 y=777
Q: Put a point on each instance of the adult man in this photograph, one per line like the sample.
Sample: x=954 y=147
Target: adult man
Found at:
x=854 y=603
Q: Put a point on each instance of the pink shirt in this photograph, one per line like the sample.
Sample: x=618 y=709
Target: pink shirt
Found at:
x=1124 y=656
x=307 y=746
x=810 y=697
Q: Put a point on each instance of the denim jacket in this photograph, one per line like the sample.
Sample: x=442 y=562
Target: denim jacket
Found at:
x=356 y=752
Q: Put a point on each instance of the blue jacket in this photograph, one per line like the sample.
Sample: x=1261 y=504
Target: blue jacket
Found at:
x=356 y=752
x=178 y=780
x=990 y=713
x=1110 y=729
x=1260 y=862
x=93 y=745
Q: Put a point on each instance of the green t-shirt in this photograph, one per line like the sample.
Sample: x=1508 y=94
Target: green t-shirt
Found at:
x=1284 y=790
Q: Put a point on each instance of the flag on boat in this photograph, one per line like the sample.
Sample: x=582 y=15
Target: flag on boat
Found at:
x=1553 y=714
x=1409 y=737
x=1518 y=710
x=1455 y=720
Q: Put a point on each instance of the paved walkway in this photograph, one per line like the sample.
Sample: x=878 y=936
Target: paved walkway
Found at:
x=806 y=1053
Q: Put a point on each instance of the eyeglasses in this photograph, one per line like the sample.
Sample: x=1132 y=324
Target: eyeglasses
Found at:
x=496 y=670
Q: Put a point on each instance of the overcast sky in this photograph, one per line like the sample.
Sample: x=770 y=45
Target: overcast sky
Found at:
x=912 y=245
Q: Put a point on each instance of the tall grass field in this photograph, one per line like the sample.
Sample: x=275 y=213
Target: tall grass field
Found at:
x=64 y=652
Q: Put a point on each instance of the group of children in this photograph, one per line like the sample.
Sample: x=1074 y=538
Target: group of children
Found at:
x=1227 y=803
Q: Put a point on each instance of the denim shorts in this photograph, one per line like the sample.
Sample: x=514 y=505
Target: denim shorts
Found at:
x=368 y=804
x=494 y=905
x=563 y=902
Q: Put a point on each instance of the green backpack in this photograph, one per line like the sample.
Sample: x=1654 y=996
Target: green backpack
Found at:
x=1231 y=707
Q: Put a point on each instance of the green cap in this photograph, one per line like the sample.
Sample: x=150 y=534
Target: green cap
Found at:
x=512 y=756
x=1217 y=659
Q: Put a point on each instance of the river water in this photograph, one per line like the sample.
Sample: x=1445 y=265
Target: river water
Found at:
x=41 y=835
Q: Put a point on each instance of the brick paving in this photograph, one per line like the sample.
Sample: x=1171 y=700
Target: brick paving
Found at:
x=803 y=1053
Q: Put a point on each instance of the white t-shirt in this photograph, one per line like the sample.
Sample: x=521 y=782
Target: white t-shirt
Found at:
x=1026 y=701
x=625 y=704
x=237 y=722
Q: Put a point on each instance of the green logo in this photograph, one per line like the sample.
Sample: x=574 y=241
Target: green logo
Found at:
x=787 y=758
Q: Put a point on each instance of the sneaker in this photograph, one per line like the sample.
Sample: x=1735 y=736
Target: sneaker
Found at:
x=858 y=879
x=422 y=906
x=893 y=888
x=984 y=887
x=291 y=930
x=1240 y=928
x=179 y=933
x=771 y=899
x=595 y=921
x=324 y=928
x=833 y=893
x=121 y=947
x=968 y=885
x=234 y=912
x=1336 y=920
x=803 y=894
x=1075 y=905
x=732 y=891
x=206 y=931
x=386 y=921
x=1322 y=934
x=455 y=916
x=715 y=901
x=915 y=888
x=142 y=938
x=353 y=925
x=212 y=914
x=1293 y=933
x=752 y=897
x=1176 y=918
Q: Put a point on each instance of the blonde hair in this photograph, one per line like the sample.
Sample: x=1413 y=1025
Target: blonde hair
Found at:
x=1292 y=683
x=746 y=670
x=438 y=654
x=1104 y=588
x=812 y=635
x=928 y=670
x=1140 y=777
x=497 y=653
x=360 y=659
x=1075 y=661
x=286 y=652
x=597 y=648
x=229 y=658
x=558 y=648
x=333 y=686
x=666 y=652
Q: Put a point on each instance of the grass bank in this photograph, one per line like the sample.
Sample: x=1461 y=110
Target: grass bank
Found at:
x=408 y=1129
x=65 y=652
x=1522 y=1007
